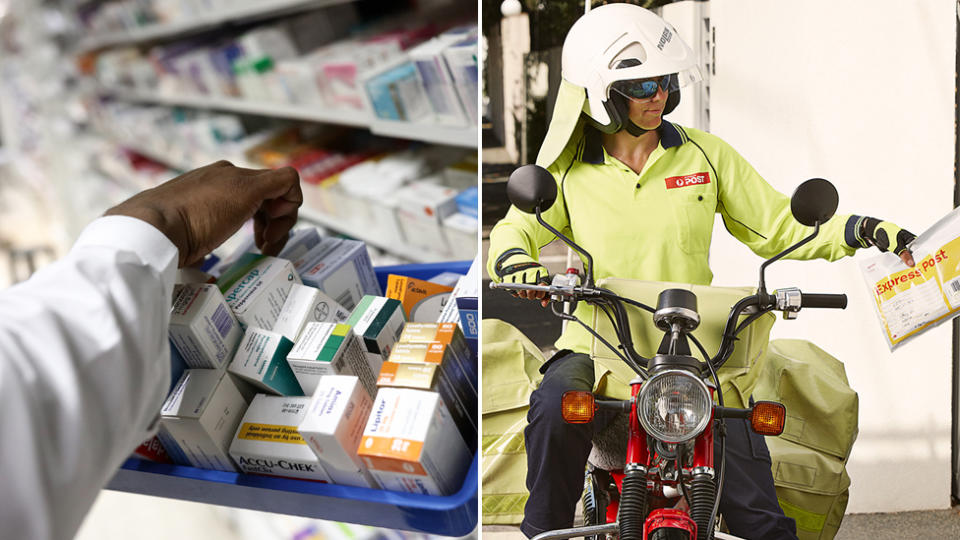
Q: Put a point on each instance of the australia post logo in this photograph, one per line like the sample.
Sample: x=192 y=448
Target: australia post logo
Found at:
x=688 y=180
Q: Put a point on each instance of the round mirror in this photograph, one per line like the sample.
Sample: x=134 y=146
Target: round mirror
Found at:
x=531 y=186
x=814 y=201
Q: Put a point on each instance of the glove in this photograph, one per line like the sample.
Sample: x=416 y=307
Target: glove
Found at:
x=515 y=266
x=873 y=232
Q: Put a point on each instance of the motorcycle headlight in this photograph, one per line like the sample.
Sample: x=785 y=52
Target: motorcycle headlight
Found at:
x=674 y=406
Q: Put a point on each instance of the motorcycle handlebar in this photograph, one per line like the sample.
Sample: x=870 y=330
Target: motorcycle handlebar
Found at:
x=829 y=301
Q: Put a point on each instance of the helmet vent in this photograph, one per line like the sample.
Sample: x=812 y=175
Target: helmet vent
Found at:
x=631 y=56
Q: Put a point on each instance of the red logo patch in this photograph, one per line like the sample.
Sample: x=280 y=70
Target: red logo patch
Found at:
x=688 y=180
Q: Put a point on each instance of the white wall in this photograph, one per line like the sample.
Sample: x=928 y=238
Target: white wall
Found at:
x=860 y=92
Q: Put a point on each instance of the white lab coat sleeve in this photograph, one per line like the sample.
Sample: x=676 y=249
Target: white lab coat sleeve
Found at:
x=84 y=368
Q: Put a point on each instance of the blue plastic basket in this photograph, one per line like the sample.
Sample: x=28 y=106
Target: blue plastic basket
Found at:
x=452 y=515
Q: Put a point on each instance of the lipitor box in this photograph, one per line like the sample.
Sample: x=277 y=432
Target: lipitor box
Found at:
x=199 y=418
x=342 y=270
x=261 y=360
x=330 y=349
x=448 y=380
x=333 y=426
x=378 y=322
x=422 y=301
x=267 y=441
x=447 y=333
x=411 y=443
x=256 y=287
x=305 y=305
x=203 y=328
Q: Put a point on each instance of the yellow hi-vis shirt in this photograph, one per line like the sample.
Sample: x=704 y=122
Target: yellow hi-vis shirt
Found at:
x=657 y=225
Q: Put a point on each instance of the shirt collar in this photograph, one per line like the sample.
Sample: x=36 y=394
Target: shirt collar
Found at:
x=592 y=153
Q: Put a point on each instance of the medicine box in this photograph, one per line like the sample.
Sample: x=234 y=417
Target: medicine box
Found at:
x=461 y=59
x=199 y=418
x=411 y=443
x=437 y=80
x=448 y=333
x=431 y=366
x=256 y=287
x=306 y=304
x=396 y=93
x=203 y=328
x=267 y=441
x=261 y=360
x=423 y=301
x=461 y=232
x=333 y=425
x=300 y=242
x=421 y=207
x=330 y=349
x=342 y=269
x=378 y=322
x=466 y=298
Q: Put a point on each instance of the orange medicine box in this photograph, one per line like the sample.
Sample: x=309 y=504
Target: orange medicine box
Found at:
x=422 y=301
x=448 y=333
x=411 y=443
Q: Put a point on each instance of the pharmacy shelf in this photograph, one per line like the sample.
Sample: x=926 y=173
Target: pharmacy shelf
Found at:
x=251 y=12
x=451 y=136
x=448 y=135
x=413 y=253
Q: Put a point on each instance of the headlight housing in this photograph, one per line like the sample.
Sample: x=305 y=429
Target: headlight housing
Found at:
x=674 y=406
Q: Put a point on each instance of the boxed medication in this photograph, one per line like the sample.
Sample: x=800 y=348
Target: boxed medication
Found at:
x=448 y=333
x=203 y=328
x=300 y=242
x=461 y=231
x=461 y=59
x=256 y=287
x=396 y=93
x=411 y=444
x=199 y=418
x=305 y=305
x=466 y=298
x=432 y=366
x=330 y=349
x=437 y=80
x=421 y=208
x=152 y=450
x=333 y=425
x=267 y=441
x=261 y=360
x=422 y=301
x=378 y=322
x=342 y=269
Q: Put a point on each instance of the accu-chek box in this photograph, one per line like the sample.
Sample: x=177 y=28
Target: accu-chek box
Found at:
x=411 y=444
x=261 y=360
x=199 y=418
x=333 y=425
x=203 y=328
x=256 y=287
x=267 y=441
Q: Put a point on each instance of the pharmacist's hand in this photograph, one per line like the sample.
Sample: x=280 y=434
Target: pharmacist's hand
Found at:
x=199 y=210
x=874 y=232
x=521 y=268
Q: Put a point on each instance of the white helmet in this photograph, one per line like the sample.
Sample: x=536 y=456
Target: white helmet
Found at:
x=610 y=44
x=621 y=42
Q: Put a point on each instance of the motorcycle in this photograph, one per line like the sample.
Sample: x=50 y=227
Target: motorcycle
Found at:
x=673 y=422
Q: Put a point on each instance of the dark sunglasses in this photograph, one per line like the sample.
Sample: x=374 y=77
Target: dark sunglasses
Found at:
x=643 y=88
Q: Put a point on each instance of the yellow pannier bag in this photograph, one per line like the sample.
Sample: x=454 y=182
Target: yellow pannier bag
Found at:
x=714 y=304
x=810 y=457
x=511 y=365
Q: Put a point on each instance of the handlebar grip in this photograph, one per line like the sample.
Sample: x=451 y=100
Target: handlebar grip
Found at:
x=831 y=301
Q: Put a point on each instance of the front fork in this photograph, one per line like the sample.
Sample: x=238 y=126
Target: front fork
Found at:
x=633 y=498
